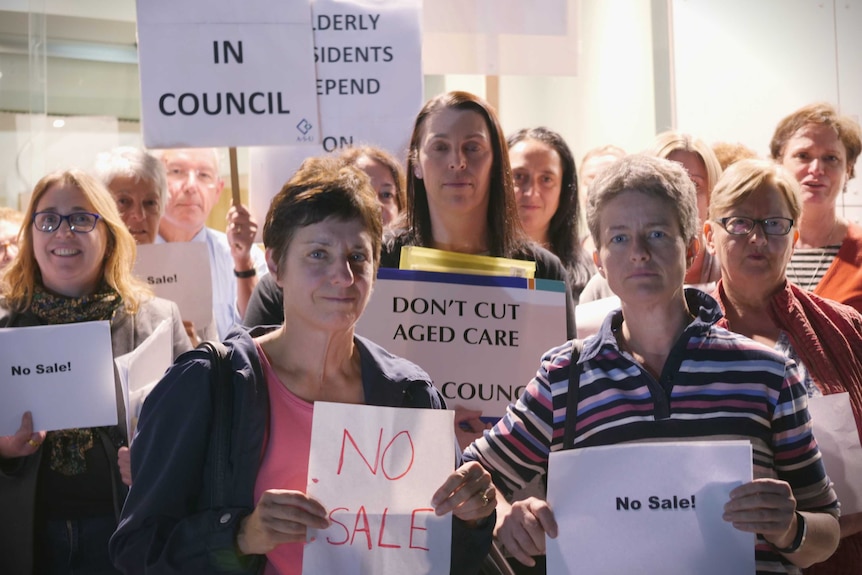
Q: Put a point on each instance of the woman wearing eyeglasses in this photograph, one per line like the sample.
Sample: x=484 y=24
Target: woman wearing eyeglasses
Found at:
x=62 y=491
x=752 y=228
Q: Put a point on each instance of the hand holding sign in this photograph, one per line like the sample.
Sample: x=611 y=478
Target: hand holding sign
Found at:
x=241 y=231
x=523 y=528
x=764 y=506
x=124 y=462
x=24 y=442
x=467 y=493
x=281 y=516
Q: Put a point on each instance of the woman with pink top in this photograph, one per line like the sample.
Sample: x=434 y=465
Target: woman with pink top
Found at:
x=323 y=237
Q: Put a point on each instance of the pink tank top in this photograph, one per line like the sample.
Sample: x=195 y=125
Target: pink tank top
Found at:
x=285 y=460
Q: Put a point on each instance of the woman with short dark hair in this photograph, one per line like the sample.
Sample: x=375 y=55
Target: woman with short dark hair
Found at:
x=323 y=235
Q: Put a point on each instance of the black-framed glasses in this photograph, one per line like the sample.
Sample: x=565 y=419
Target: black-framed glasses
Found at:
x=740 y=226
x=79 y=222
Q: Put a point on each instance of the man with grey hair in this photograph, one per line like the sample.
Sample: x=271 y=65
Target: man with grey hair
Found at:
x=194 y=187
x=138 y=183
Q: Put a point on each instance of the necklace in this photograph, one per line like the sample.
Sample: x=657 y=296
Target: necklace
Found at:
x=812 y=281
x=823 y=257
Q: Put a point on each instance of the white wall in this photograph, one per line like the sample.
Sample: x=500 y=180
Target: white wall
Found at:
x=737 y=66
x=611 y=101
x=741 y=66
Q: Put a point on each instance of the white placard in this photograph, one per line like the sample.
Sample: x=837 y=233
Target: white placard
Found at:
x=368 y=57
x=501 y=37
x=63 y=374
x=142 y=368
x=620 y=508
x=222 y=73
x=589 y=316
x=180 y=272
x=481 y=345
x=375 y=470
x=838 y=440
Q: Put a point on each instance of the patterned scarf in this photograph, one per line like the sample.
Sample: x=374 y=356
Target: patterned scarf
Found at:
x=825 y=334
x=67 y=448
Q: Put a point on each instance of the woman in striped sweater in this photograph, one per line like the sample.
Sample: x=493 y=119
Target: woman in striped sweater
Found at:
x=660 y=369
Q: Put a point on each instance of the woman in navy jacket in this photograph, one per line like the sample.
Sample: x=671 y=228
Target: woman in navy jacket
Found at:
x=323 y=236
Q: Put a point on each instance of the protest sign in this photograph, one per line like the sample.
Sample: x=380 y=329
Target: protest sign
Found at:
x=141 y=369
x=368 y=57
x=838 y=440
x=501 y=37
x=223 y=73
x=479 y=337
x=620 y=508
x=180 y=272
x=589 y=316
x=375 y=470
x=63 y=374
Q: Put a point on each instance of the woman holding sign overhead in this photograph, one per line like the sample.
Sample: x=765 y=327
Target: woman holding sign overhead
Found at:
x=323 y=235
x=660 y=369
x=61 y=492
x=752 y=228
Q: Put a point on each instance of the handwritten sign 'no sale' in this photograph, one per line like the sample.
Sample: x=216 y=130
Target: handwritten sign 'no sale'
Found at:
x=375 y=470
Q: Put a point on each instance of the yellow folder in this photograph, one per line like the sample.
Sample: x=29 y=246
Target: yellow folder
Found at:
x=431 y=260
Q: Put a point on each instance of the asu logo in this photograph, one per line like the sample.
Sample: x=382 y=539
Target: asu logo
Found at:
x=304 y=126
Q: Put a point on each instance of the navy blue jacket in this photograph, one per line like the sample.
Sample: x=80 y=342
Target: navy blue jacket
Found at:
x=168 y=524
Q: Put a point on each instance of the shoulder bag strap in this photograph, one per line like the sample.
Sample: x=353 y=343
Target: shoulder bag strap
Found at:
x=572 y=396
x=221 y=388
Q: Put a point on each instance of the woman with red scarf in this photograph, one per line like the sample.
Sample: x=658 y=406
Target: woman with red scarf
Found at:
x=752 y=228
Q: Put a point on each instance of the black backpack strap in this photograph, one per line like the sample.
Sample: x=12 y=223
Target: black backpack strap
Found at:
x=573 y=394
x=221 y=388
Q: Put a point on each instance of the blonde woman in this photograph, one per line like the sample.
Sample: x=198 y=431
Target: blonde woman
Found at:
x=61 y=491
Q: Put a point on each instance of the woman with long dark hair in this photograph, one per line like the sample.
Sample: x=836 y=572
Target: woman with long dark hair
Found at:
x=546 y=188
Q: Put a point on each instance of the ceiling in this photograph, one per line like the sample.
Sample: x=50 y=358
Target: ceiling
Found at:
x=97 y=30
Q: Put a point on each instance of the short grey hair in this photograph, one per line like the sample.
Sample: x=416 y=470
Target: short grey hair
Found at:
x=164 y=153
x=649 y=175
x=134 y=163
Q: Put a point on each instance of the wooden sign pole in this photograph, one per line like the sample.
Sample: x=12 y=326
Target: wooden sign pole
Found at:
x=234 y=178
